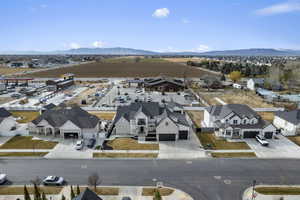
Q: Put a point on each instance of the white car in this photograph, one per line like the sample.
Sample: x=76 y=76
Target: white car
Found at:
x=262 y=140
x=79 y=145
x=53 y=180
x=3 y=178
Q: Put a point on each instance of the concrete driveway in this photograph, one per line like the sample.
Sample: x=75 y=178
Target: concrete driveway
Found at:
x=181 y=149
x=278 y=148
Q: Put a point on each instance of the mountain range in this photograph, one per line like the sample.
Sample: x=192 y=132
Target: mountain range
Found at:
x=130 y=51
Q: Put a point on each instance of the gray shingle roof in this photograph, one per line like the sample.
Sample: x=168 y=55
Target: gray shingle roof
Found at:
x=156 y=81
x=87 y=194
x=290 y=116
x=4 y=114
x=57 y=117
x=239 y=109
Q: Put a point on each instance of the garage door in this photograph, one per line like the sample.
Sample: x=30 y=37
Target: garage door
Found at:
x=268 y=135
x=183 y=135
x=71 y=135
x=250 y=134
x=167 y=137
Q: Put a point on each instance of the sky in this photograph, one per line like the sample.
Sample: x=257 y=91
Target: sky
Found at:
x=158 y=25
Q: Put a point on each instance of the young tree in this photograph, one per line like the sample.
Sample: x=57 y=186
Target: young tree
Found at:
x=72 y=193
x=63 y=197
x=235 y=76
x=77 y=190
x=44 y=196
x=26 y=194
x=37 y=194
x=157 y=195
x=94 y=180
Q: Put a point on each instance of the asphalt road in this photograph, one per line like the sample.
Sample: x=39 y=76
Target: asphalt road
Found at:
x=205 y=179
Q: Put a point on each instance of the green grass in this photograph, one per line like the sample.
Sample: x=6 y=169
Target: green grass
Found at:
x=278 y=190
x=125 y=155
x=233 y=155
x=14 y=190
x=23 y=154
x=26 y=142
x=209 y=139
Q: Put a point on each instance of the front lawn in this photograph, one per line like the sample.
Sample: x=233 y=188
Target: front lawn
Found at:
x=278 y=190
x=233 y=155
x=112 y=191
x=295 y=139
x=162 y=191
x=14 y=190
x=25 y=116
x=26 y=142
x=209 y=140
x=125 y=155
x=130 y=144
x=196 y=117
x=23 y=154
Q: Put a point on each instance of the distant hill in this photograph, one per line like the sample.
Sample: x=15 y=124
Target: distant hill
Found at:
x=130 y=51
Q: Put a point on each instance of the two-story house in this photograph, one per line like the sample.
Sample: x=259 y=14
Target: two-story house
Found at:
x=237 y=121
x=151 y=121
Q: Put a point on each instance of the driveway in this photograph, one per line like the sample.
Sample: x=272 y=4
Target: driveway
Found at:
x=278 y=148
x=181 y=149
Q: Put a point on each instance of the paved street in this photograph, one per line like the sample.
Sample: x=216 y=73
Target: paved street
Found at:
x=205 y=179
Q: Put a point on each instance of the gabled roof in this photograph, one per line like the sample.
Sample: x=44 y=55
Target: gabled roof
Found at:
x=239 y=109
x=49 y=106
x=290 y=116
x=157 y=81
x=4 y=113
x=87 y=194
x=57 y=117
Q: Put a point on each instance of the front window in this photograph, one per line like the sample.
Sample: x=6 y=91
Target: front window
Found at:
x=235 y=121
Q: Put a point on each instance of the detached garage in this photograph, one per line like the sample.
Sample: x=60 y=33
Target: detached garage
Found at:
x=167 y=137
x=250 y=134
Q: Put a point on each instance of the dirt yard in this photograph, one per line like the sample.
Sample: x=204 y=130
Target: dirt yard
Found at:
x=103 y=115
x=11 y=71
x=197 y=117
x=268 y=116
x=139 y=69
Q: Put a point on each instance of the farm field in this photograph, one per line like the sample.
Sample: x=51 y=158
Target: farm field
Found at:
x=145 y=68
x=11 y=71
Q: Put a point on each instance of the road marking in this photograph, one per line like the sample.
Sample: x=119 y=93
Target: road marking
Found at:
x=218 y=177
x=83 y=166
x=227 y=182
x=189 y=162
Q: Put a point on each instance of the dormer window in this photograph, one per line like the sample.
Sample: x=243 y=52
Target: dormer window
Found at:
x=244 y=121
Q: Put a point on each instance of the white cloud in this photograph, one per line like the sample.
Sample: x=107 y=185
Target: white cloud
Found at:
x=74 y=45
x=280 y=8
x=185 y=21
x=202 y=48
x=161 y=13
x=98 y=44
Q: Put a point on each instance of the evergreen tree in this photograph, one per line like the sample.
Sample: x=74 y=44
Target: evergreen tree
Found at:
x=63 y=197
x=26 y=194
x=37 y=195
x=77 y=190
x=157 y=195
x=72 y=193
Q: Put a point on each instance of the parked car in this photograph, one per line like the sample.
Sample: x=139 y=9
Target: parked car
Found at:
x=53 y=180
x=91 y=143
x=3 y=178
x=79 y=145
x=261 y=140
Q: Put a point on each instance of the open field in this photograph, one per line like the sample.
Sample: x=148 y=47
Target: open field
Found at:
x=23 y=154
x=130 y=144
x=25 y=116
x=184 y=60
x=197 y=117
x=126 y=69
x=162 y=191
x=103 y=115
x=234 y=155
x=15 y=190
x=125 y=155
x=11 y=71
x=278 y=190
x=208 y=139
x=26 y=142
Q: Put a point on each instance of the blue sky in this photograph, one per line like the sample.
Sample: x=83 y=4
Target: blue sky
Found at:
x=162 y=25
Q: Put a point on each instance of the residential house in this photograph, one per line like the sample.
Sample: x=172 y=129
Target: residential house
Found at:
x=254 y=83
x=66 y=123
x=151 y=121
x=288 y=122
x=7 y=122
x=87 y=194
x=237 y=121
x=163 y=84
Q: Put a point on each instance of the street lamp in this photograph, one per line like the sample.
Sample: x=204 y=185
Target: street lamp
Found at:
x=253 y=187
